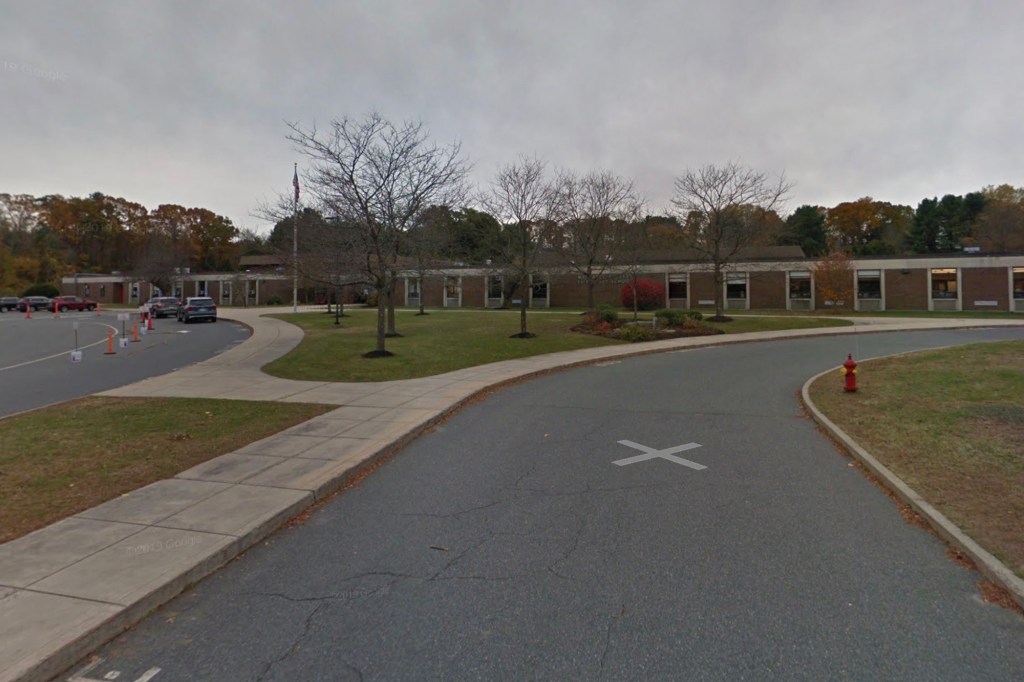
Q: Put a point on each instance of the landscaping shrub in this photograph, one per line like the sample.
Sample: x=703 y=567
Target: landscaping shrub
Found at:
x=676 y=318
x=275 y=300
x=634 y=333
x=649 y=294
x=671 y=318
x=47 y=290
x=606 y=313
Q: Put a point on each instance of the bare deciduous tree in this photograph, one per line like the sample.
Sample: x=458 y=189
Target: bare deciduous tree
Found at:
x=720 y=208
x=376 y=177
x=594 y=209
x=1000 y=227
x=522 y=199
x=633 y=241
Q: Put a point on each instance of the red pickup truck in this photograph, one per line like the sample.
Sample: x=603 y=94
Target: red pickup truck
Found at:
x=63 y=303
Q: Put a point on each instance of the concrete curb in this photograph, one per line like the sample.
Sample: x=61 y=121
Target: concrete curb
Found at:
x=988 y=565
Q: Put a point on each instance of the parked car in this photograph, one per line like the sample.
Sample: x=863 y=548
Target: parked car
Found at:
x=197 y=308
x=163 y=306
x=8 y=303
x=33 y=303
x=63 y=303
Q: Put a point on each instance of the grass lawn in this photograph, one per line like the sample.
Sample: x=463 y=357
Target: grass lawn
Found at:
x=59 y=461
x=753 y=323
x=447 y=340
x=951 y=424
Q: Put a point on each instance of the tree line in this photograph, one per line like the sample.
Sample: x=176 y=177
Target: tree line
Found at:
x=45 y=238
x=991 y=220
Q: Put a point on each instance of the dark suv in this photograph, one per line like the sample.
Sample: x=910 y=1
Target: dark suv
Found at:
x=8 y=303
x=197 y=308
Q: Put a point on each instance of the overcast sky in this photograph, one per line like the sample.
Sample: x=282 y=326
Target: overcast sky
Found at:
x=186 y=102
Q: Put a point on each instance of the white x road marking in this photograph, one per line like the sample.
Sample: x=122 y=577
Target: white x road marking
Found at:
x=667 y=453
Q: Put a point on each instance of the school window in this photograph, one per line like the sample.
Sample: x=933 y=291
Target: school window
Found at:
x=677 y=286
x=736 y=285
x=800 y=284
x=135 y=291
x=412 y=286
x=944 y=283
x=539 y=288
x=1018 y=282
x=225 y=291
x=451 y=287
x=201 y=287
x=869 y=284
x=103 y=290
x=86 y=290
x=494 y=287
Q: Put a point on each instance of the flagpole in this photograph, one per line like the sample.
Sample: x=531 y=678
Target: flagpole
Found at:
x=295 y=241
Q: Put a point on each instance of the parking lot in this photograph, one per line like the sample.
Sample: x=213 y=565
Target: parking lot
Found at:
x=37 y=367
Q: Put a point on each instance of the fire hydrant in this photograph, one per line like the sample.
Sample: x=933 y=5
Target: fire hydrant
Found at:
x=849 y=371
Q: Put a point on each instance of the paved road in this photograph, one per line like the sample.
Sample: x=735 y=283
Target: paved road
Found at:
x=514 y=542
x=35 y=366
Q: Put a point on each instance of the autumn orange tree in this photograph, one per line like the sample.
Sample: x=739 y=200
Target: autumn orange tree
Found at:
x=868 y=227
x=833 y=279
x=999 y=227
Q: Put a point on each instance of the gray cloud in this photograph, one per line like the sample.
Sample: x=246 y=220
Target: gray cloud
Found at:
x=186 y=102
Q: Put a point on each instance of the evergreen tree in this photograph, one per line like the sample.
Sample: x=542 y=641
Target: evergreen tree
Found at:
x=806 y=228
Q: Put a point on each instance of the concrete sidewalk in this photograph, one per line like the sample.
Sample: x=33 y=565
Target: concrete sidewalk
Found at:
x=70 y=587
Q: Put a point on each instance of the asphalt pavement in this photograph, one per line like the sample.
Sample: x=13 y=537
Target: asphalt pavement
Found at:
x=37 y=367
x=658 y=517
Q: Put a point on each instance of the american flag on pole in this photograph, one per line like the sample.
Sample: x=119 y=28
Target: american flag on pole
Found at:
x=295 y=182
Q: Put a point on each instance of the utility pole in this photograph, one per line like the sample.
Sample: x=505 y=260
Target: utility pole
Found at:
x=295 y=241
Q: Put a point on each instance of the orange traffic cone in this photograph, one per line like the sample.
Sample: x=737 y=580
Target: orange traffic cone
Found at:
x=149 y=323
x=110 y=342
x=135 y=332
x=28 y=312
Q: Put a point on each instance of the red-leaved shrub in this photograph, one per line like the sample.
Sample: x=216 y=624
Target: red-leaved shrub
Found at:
x=650 y=294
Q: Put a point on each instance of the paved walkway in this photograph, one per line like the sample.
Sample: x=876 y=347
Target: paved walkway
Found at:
x=70 y=587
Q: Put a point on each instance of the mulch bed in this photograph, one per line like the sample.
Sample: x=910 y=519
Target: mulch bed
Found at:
x=615 y=331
